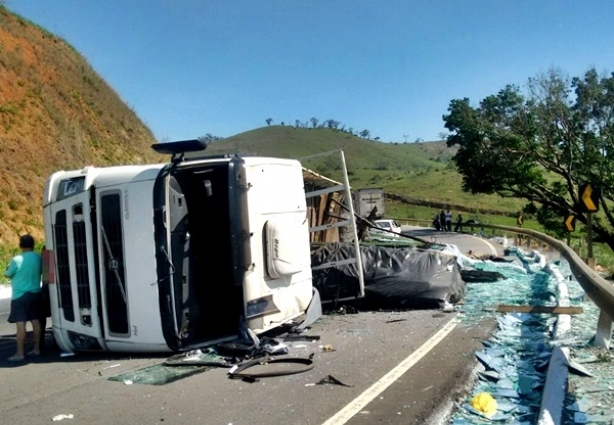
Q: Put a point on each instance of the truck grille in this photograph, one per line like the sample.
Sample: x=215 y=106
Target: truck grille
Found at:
x=83 y=277
x=63 y=266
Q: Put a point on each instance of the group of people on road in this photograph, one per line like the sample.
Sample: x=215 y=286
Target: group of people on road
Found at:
x=29 y=302
x=443 y=222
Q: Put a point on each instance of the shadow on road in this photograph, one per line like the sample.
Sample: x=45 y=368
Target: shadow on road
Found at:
x=52 y=354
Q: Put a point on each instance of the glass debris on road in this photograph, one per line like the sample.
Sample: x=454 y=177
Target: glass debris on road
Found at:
x=159 y=374
x=176 y=367
x=514 y=361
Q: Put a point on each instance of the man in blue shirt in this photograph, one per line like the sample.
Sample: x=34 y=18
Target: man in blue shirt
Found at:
x=25 y=273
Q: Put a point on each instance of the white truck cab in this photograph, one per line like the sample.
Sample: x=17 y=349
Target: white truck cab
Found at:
x=170 y=257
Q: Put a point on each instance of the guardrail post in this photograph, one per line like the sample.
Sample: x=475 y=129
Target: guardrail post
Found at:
x=604 y=331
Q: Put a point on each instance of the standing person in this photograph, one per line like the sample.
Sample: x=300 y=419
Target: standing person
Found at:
x=25 y=270
x=442 y=220
x=448 y=221
x=459 y=224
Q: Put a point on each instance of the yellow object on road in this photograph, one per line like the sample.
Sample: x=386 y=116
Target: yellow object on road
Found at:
x=484 y=403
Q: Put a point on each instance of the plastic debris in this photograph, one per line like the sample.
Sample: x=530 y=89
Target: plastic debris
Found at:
x=276 y=347
x=62 y=417
x=579 y=369
x=396 y=320
x=330 y=379
x=112 y=366
x=489 y=375
x=582 y=405
x=485 y=403
x=328 y=348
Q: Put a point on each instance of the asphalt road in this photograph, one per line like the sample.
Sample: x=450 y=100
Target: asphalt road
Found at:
x=400 y=367
x=5 y=306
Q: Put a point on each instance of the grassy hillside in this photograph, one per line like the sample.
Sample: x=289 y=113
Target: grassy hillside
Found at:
x=55 y=113
x=414 y=173
x=361 y=154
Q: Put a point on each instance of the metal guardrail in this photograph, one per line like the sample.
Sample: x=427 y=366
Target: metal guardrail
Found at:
x=600 y=290
x=414 y=220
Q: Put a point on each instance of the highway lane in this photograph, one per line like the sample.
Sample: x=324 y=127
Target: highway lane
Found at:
x=465 y=241
x=367 y=347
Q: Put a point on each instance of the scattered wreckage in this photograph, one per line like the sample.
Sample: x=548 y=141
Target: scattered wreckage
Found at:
x=202 y=250
x=175 y=256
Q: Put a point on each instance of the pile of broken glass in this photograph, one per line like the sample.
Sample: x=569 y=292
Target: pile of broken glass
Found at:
x=513 y=363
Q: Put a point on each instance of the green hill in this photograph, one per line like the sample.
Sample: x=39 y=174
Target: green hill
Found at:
x=361 y=154
x=412 y=174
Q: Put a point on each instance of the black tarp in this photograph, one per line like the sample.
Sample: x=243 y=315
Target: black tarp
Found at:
x=394 y=276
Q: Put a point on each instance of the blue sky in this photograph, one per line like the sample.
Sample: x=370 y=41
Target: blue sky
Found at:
x=192 y=67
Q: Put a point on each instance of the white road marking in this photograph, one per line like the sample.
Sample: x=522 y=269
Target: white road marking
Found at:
x=493 y=250
x=356 y=405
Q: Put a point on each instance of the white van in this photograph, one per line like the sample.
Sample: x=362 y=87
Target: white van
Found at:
x=391 y=228
x=170 y=257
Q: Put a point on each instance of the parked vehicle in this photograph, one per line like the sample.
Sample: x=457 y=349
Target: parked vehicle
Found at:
x=391 y=228
x=369 y=202
x=175 y=256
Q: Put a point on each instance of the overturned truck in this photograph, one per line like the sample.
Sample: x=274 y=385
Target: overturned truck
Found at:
x=196 y=251
x=170 y=257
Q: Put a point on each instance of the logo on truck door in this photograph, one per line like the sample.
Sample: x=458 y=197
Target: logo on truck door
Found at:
x=126 y=205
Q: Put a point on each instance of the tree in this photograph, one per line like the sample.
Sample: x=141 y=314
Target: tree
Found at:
x=314 y=122
x=365 y=134
x=541 y=145
x=269 y=121
x=208 y=138
x=332 y=124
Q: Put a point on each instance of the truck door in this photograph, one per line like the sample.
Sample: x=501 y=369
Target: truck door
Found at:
x=73 y=294
x=112 y=264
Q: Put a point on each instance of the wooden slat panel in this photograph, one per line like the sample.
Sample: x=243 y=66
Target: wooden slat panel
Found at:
x=538 y=309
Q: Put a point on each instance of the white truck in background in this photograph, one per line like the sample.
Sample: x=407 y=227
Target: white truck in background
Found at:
x=175 y=256
x=369 y=203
